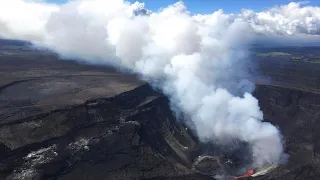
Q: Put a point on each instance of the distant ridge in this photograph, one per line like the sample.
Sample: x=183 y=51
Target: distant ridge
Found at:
x=14 y=42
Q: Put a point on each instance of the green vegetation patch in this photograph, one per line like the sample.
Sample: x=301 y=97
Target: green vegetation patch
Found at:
x=297 y=57
x=273 y=54
x=316 y=61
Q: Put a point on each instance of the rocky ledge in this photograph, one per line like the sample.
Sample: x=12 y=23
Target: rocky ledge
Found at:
x=121 y=137
x=133 y=136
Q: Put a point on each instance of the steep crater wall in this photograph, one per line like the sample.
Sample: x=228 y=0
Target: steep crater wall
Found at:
x=133 y=136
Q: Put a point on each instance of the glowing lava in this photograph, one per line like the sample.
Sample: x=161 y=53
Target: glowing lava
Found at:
x=247 y=174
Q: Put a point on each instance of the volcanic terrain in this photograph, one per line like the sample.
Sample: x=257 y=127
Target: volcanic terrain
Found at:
x=64 y=120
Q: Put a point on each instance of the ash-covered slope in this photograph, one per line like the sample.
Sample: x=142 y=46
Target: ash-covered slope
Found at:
x=121 y=137
x=128 y=136
x=50 y=129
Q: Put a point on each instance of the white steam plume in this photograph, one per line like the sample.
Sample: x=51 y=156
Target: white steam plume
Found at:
x=196 y=60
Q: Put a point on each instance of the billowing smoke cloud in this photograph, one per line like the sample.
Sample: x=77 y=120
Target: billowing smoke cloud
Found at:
x=197 y=60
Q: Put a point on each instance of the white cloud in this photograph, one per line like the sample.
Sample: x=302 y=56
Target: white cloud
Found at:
x=24 y=20
x=291 y=19
x=196 y=60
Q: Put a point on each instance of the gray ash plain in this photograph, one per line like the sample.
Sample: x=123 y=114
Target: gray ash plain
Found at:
x=65 y=120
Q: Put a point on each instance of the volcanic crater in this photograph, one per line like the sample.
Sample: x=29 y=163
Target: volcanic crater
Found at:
x=65 y=120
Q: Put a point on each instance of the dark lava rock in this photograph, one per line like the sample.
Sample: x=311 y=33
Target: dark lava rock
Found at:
x=296 y=113
x=134 y=135
x=50 y=129
x=122 y=137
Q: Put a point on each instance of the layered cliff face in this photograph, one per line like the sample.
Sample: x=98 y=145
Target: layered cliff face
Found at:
x=134 y=135
x=296 y=113
x=64 y=120
x=122 y=137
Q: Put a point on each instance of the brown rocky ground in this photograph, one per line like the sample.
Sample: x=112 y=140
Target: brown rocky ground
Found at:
x=63 y=120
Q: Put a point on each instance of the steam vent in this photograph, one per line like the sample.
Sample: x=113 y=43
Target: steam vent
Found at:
x=111 y=90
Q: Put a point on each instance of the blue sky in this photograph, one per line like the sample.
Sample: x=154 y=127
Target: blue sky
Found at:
x=207 y=6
